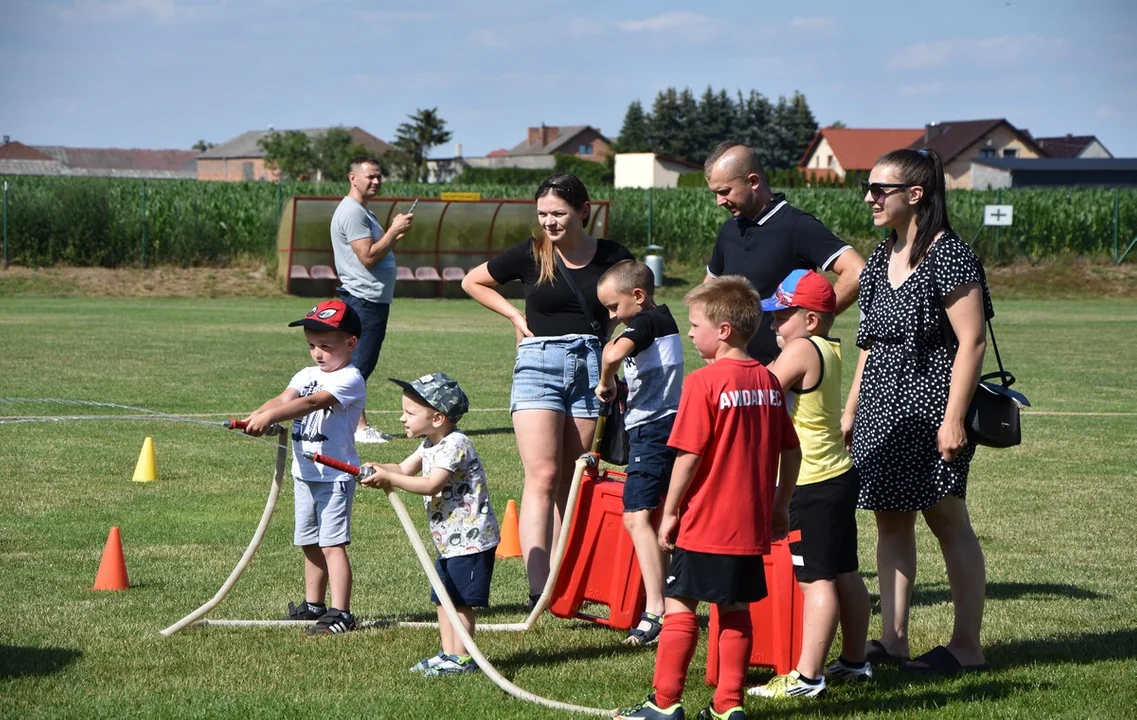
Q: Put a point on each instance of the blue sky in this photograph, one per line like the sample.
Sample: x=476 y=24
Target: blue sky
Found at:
x=165 y=73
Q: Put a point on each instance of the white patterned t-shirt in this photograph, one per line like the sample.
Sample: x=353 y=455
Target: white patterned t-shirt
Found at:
x=330 y=431
x=462 y=521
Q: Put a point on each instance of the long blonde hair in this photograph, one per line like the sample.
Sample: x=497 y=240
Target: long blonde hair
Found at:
x=569 y=188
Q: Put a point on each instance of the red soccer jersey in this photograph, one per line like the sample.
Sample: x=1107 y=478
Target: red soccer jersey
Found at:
x=733 y=415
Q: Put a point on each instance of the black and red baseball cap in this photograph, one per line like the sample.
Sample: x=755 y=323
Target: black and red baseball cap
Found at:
x=331 y=315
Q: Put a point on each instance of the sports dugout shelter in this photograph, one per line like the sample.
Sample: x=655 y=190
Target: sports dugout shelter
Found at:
x=449 y=237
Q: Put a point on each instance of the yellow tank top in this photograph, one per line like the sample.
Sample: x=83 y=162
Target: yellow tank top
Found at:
x=817 y=419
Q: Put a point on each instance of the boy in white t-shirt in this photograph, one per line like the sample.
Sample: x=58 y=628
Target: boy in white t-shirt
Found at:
x=324 y=403
x=462 y=522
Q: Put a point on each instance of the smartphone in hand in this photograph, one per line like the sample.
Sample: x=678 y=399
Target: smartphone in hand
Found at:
x=413 y=206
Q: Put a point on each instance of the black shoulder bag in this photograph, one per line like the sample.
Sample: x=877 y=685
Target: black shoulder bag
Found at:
x=993 y=415
x=613 y=447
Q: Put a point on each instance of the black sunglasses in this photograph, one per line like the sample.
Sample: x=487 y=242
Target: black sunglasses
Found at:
x=877 y=190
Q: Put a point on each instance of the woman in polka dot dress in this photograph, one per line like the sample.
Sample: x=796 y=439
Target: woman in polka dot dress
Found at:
x=924 y=301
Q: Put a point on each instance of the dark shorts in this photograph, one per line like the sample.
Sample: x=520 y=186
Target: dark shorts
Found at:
x=466 y=578
x=826 y=515
x=649 y=464
x=722 y=579
x=373 y=321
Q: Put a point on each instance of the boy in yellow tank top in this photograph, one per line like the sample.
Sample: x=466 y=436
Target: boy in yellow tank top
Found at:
x=824 y=503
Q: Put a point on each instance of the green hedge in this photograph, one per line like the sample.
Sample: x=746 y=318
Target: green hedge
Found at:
x=119 y=222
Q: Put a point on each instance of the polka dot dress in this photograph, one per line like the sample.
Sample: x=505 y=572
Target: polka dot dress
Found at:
x=904 y=387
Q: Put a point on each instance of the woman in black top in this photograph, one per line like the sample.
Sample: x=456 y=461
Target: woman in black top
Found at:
x=552 y=403
x=924 y=300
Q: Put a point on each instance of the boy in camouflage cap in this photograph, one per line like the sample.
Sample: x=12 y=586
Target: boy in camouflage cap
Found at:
x=462 y=522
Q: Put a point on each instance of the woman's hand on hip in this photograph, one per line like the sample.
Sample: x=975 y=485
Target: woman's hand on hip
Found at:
x=521 y=328
x=951 y=439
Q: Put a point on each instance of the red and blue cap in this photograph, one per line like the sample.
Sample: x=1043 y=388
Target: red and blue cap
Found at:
x=331 y=315
x=806 y=289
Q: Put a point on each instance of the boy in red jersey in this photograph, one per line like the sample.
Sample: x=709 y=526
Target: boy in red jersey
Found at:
x=727 y=498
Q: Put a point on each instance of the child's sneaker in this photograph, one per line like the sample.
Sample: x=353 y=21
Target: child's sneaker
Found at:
x=789 y=686
x=451 y=665
x=841 y=671
x=332 y=622
x=648 y=710
x=427 y=663
x=735 y=713
x=368 y=434
x=305 y=611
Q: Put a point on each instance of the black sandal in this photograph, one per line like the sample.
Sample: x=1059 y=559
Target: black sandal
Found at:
x=878 y=654
x=638 y=638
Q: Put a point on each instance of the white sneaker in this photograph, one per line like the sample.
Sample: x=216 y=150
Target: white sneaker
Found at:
x=789 y=686
x=368 y=434
x=844 y=672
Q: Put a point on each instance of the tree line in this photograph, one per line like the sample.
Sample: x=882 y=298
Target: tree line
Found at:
x=688 y=128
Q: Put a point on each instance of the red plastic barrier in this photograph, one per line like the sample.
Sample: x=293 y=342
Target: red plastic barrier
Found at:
x=776 y=618
x=600 y=563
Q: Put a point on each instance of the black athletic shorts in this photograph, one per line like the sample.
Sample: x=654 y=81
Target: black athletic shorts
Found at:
x=722 y=579
x=826 y=515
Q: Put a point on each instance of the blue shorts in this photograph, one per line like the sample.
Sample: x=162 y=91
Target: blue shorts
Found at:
x=558 y=374
x=373 y=321
x=323 y=512
x=466 y=578
x=649 y=464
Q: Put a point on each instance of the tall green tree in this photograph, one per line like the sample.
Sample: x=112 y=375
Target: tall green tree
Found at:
x=635 y=134
x=203 y=145
x=717 y=121
x=332 y=152
x=414 y=141
x=289 y=152
x=665 y=123
x=753 y=115
x=803 y=125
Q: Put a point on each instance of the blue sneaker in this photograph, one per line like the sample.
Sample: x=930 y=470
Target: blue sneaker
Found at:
x=648 y=710
x=451 y=665
x=427 y=663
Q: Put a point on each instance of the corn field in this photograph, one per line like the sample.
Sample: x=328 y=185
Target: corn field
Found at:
x=120 y=222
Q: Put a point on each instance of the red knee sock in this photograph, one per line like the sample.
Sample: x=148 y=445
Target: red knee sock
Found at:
x=677 y=643
x=736 y=634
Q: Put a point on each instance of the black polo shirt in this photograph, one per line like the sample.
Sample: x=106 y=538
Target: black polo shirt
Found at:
x=766 y=250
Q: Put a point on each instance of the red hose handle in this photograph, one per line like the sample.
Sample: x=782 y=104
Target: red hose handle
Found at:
x=234 y=424
x=340 y=465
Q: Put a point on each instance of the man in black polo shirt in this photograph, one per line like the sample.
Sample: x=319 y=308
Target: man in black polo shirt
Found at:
x=767 y=238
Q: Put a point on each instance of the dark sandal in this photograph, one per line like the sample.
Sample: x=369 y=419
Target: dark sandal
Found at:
x=638 y=638
x=878 y=654
x=940 y=661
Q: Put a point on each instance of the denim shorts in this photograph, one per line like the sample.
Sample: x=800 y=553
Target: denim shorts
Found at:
x=323 y=512
x=466 y=578
x=373 y=318
x=649 y=464
x=557 y=373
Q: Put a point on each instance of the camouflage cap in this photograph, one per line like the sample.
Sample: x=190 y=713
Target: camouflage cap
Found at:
x=441 y=392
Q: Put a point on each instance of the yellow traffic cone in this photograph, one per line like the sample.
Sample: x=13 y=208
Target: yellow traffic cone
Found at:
x=147 y=469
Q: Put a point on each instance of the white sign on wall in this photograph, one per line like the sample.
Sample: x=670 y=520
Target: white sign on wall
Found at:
x=998 y=214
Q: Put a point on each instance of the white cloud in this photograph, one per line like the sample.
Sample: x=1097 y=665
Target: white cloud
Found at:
x=813 y=23
x=982 y=52
x=687 y=21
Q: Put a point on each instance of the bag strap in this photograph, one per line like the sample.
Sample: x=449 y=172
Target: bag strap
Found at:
x=596 y=327
x=1004 y=376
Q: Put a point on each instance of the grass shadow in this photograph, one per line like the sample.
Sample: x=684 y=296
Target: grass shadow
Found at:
x=18 y=662
x=937 y=593
x=1084 y=649
x=489 y=431
x=856 y=700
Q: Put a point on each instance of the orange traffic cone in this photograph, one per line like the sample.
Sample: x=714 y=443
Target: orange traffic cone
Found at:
x=510 y=544
x=147 y=468
x=112 y=568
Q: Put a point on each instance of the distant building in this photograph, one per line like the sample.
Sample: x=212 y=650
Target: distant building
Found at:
x=582 y=141
x=651 y=170
x=1074 y=146
x=835 y=152
x=19 y=159
x=960 y=142
x=992 y=173
x=242 y=158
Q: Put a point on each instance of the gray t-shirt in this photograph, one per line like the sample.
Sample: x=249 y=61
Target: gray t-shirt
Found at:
x=353 y=221
x=654 y=371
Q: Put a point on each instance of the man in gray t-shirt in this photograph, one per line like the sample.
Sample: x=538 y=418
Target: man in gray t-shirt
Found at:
x=365 y=263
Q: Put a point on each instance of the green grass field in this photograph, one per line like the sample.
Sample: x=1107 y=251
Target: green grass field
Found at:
x=1055 y=517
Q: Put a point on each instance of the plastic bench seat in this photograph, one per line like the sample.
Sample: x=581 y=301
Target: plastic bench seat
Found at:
x=427 y=273
x=323 y=272
x=453 y=273
x=298 y=272
x=404 y=273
